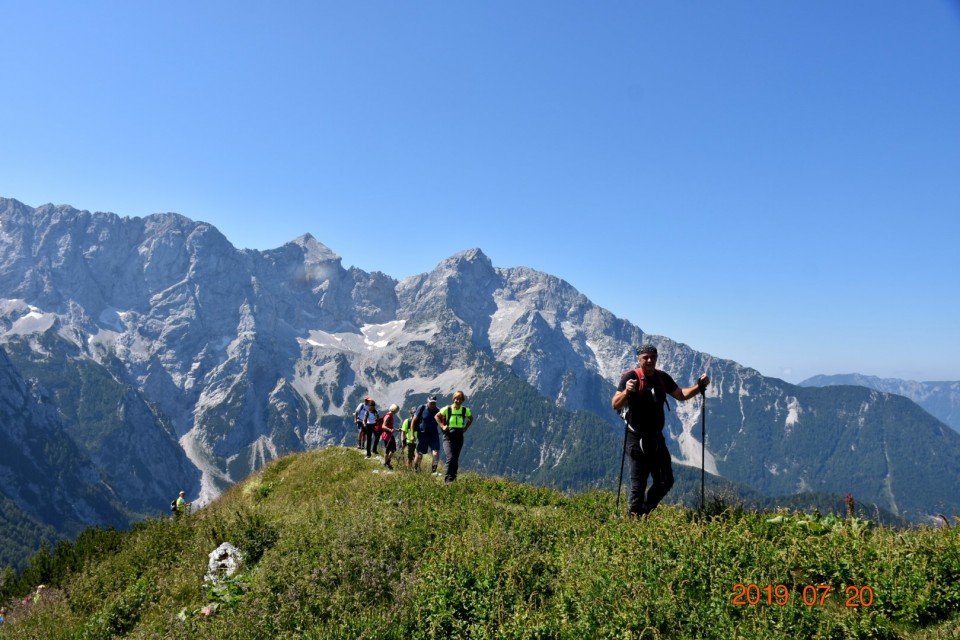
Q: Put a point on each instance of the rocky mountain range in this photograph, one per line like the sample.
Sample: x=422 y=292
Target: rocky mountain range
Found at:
x=940 y=399
x=43 y=473
x=165 y=358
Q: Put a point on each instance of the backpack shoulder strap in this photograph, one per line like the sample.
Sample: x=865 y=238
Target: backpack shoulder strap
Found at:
x=655 y=379
x=666 y=399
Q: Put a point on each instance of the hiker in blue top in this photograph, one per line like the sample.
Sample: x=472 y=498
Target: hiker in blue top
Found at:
x=368 y=416
x=428 y=435
x=643 y=392
x=454 y=420
x=358 y=420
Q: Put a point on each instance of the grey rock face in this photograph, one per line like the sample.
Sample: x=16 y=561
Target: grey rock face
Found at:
x=242 y=356
x=41 y=469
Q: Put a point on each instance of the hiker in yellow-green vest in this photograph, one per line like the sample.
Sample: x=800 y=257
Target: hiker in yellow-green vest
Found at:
x=454 y=420
x=409 y=438
x=182 y=504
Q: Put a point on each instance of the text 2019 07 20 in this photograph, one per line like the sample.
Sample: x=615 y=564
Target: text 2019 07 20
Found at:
x=811 y=595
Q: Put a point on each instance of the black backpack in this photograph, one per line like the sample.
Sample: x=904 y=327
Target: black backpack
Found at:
x=173 y=505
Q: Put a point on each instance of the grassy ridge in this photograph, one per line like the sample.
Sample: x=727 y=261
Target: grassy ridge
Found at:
x=336 y=551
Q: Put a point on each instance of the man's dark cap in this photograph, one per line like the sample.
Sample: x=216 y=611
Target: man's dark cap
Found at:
x=647 y=348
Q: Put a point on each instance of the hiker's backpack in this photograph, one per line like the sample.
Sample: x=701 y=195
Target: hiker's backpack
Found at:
x=173 y=505
x=419 y=417
x=387 y=434
x=448 y=411
x=378 y=426
x=650 y=385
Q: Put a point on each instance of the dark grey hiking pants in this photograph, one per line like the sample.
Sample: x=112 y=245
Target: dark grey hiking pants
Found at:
x=649 y=458
x=452 y=445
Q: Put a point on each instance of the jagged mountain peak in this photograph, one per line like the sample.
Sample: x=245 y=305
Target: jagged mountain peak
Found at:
x=473 y=256
x=464 y=269
x=314 y=251
x=169 y=222
x=10 y=206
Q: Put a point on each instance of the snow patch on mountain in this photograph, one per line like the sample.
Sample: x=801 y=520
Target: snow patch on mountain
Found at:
x=379 y=336
x=369 y=338
x=113 y=319
x=21 y=318
x=33 y=322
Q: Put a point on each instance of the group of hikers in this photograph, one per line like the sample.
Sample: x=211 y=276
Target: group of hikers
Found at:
x=425 y=429
x=640 y=398
x=31 y=599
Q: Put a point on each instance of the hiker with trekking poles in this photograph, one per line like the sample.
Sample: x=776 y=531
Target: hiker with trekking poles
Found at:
x=640 y=397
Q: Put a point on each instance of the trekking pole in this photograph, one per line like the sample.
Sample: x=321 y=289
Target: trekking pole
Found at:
x=623 y=457
x=703 y=444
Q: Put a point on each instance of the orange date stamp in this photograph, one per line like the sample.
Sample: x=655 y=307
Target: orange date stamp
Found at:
x=811 y=595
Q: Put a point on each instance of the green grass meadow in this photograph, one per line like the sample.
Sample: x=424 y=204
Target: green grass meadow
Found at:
x=336 y=548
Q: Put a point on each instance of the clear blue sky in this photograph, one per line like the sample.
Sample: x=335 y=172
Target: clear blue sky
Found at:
x=777 y=183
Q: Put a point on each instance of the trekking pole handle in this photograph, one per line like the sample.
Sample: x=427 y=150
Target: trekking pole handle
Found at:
x=702 y=383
